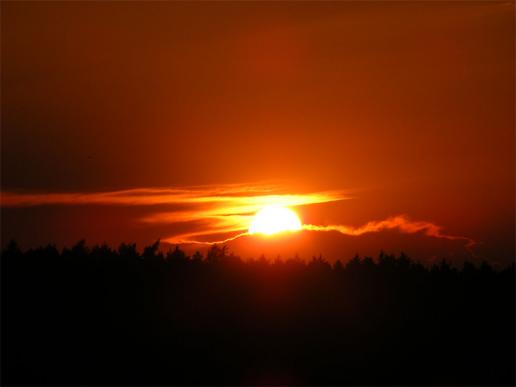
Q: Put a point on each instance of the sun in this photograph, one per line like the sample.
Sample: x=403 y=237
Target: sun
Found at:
x=273 y=219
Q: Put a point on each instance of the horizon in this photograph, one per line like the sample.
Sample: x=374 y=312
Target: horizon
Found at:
x=168 y=252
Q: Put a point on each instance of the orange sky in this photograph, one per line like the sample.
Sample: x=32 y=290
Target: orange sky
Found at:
x=407 y=107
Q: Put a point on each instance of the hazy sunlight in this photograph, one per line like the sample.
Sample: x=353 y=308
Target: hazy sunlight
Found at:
x=272 y=219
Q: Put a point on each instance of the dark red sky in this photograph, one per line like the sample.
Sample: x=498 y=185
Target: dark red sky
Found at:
x=408 y=107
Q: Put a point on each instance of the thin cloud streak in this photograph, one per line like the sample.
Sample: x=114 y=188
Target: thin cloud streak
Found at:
x=185 y=239
x=240 y=195
x=402 y=223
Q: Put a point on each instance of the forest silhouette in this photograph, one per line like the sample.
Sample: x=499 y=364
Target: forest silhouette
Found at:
x=103 y=316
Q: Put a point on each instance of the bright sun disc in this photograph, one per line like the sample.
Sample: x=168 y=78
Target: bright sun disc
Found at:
x=272 y=219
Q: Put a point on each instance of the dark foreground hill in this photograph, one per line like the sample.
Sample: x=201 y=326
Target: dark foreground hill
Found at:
x=102 y=317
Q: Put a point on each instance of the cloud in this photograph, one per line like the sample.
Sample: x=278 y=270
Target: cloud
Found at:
x=213 y=209
x=218 y=214
x=247 y=197
x=400 y=222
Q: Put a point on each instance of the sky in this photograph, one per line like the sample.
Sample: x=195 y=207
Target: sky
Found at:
x=132 y=121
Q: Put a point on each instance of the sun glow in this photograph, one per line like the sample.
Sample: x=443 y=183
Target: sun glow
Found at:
x=273 y=219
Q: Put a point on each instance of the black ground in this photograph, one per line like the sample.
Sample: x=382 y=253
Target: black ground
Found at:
x=103 y=317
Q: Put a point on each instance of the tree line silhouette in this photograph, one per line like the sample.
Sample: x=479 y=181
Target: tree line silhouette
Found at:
x=103 y=316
